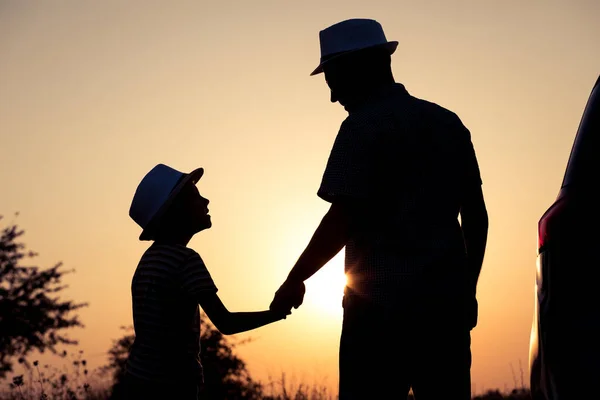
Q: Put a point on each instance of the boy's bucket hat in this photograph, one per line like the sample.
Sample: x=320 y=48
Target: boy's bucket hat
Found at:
x=155 y=194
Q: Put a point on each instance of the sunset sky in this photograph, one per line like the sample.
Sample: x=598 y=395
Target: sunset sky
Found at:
x=94 y=94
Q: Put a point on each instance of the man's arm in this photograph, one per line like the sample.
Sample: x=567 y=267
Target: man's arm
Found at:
x=346 y=184
x=474 y=218
x=329 y=238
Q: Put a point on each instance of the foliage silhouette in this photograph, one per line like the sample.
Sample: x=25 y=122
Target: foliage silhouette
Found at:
x=32 y=316
x=225 y=374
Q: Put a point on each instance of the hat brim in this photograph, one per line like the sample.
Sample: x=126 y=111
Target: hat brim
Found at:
x=390 y=46
x=194 y=177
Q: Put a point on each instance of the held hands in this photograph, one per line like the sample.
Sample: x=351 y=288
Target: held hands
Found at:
x=290 y=294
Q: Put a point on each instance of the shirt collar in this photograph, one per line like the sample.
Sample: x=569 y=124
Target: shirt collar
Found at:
x=394 y=89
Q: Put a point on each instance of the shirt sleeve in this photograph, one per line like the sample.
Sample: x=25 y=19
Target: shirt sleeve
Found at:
x=471 y=172
x=195 y=278
x=349 y=170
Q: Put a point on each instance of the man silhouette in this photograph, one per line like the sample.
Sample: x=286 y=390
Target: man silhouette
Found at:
x=400 y=172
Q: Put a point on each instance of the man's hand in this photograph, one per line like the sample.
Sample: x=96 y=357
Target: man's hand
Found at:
x=290 y=294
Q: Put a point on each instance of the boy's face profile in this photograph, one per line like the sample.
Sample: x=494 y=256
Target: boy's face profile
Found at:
x=193 y=209
x=187 y=215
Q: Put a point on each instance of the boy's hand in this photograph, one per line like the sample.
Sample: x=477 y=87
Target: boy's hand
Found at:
x=281 y=315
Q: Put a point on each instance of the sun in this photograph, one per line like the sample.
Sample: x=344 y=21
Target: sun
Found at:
x=325 y=289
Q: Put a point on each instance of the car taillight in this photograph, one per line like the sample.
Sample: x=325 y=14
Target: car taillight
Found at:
x=547 y=222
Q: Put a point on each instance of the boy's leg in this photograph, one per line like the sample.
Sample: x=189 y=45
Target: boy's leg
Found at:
x=371 y=362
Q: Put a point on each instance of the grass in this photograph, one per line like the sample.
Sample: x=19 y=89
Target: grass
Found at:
x=56 y=385
x=77 y=383
x=286 y=389
x=45 y=382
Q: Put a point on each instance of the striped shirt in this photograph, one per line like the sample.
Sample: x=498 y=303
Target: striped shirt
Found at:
x=165 y=290
x=410 y=161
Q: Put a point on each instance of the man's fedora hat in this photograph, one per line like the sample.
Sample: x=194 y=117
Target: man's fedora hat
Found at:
x=349 y=36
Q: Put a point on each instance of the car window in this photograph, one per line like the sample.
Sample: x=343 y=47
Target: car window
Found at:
x=583 y=167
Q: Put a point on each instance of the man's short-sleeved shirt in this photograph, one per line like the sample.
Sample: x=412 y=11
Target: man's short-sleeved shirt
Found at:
x=409 y=162
x=165 y=289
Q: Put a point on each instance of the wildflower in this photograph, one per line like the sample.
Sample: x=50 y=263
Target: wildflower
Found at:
x=18 y=380
x=71 y=395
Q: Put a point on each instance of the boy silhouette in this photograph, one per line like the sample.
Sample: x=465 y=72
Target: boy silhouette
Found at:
x=169 y=284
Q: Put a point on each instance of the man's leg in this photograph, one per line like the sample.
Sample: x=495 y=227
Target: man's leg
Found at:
x=443 y=367
x=371 y=364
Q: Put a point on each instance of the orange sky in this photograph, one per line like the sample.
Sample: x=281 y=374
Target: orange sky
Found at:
x=94 y=94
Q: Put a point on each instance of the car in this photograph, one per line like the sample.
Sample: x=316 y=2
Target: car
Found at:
x=564 y=351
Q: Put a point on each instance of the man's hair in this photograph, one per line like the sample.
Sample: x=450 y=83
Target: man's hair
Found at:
x=370 y=59
x=362 y=69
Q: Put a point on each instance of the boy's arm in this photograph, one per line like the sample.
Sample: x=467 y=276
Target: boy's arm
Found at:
x=229 y=323
x=197 y=283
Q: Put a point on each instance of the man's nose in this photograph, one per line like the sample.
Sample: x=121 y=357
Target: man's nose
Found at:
x=333 y=97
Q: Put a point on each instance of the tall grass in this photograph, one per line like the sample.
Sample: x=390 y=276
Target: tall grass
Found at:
x=75 y=382
x=45 y=382
x=55 y=386
x=290 y=389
